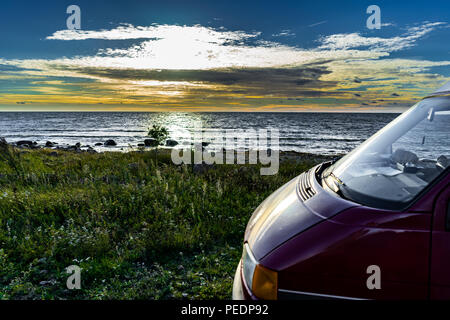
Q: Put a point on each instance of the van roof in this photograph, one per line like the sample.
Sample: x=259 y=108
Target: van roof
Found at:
x=444 y=89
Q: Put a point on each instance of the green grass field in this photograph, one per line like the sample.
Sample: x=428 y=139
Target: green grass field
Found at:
x=138 y=230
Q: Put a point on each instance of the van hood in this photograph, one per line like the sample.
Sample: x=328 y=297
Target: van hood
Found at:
x=295 y=207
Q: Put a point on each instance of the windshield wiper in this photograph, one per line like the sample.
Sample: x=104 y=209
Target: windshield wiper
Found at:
x=336 y=179
x=336 y=184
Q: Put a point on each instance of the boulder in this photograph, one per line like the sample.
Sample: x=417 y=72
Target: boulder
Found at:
x=110 y=143
x=171 y=143
x=150 y=142
x=98 y=144
x=72 y=148
x=49 y=144
x=24 y=142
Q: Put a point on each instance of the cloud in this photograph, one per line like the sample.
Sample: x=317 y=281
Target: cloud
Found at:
x=128 y=31
x=284 y=33
x=303 y=81
x=197 y=47
x=201 y=67
x=355 y=40
x=317 y=23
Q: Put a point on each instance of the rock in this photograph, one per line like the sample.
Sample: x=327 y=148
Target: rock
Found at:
x=78 y=145
x=98 y=144
x=49 y=144
x=90 y=150
x=24 y=142
x=3 y=142
x=141 y=145
x=110 y=143
x=150 y=142
x=171 y=143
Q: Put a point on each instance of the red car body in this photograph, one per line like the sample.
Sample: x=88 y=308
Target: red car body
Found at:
x=412 y=249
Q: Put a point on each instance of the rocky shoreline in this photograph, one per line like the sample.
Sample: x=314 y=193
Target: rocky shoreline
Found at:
x=78 y=147
x=149 y=144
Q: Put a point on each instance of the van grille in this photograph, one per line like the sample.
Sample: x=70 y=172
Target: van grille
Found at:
x=305 y=190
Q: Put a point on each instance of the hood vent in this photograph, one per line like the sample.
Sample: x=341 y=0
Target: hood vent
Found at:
x=304 y=187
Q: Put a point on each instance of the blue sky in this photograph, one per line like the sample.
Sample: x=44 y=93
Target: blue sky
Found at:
x=221 y=55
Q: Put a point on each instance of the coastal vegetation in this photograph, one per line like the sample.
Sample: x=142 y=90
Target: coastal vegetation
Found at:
x=139 y=229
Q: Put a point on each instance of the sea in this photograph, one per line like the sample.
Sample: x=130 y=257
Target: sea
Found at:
x=317 y=133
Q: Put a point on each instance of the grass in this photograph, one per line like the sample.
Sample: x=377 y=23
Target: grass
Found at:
x=138 y=230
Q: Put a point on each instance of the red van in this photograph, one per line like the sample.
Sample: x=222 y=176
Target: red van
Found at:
x=373 y=225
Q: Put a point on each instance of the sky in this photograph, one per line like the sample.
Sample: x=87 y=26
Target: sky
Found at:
x=221 y=55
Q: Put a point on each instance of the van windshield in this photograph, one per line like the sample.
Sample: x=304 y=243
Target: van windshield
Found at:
x=390 y=169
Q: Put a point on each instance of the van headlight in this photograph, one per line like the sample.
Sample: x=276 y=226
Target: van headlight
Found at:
x=262 y=281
